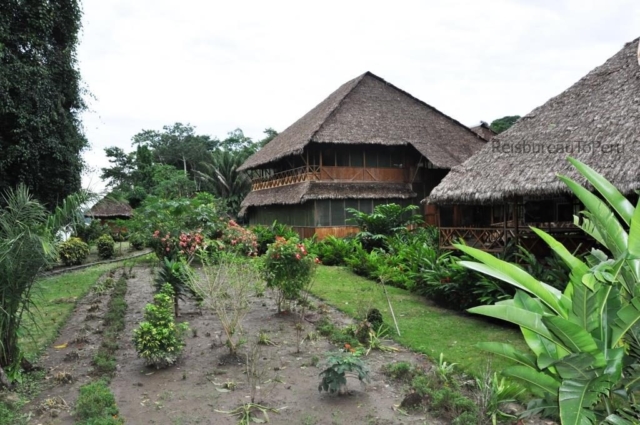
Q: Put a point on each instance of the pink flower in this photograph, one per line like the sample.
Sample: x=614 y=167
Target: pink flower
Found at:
x=297 y=256
x=168 y=249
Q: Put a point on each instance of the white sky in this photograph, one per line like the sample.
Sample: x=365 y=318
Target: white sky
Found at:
x=258 y=64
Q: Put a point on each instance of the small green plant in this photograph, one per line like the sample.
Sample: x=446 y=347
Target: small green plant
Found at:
x=444 y=370
x=106 y=246
x=334 y=376
x=73 y=252
x=96 y=404
x=137 y=241
x=250 y=413
x=402 y=371
x=493 y=392
x=158 y=340
x=265 y=339
x=176 y=273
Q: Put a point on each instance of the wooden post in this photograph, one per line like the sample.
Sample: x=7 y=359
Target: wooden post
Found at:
x=505 y=206
x=515 y=219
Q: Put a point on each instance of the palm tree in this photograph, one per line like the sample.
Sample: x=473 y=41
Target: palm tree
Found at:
x=225 y=181
x=28 y=234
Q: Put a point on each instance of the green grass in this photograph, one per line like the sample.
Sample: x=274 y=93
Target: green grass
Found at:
x=54 y=299
x=425 y=328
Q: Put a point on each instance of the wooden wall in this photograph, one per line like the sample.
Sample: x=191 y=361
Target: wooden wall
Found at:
x=364 y=174
x=323 y=232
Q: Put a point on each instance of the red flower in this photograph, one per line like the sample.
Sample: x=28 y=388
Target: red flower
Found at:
x=297 y=256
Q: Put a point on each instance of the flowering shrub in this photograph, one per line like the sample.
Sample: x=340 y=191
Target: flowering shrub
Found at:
x=174 y=247
x=238 y=239
x=288 y=268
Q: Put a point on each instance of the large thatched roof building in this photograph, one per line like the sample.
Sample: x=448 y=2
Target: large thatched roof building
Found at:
x=368 y=142
x=597 y=120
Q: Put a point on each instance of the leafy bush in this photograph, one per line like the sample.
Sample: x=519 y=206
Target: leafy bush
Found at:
x=97 y=405
x=106 y=246
x=334 y=379
x=584 y=358
x=73 y=252
x=175 y=273
x=384 y=221
x=287 y=268
x=137 y=241
x=177 y=245
x=239 y=240
x=333 y=251
x=266 y=235
x=158 y=340
x=89 y=233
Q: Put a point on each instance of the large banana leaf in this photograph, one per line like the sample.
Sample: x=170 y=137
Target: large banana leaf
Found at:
x=623 y=207
x=518 y=316
x=510 y=352
x=634 y=234
x=628 y=316
x=577 y=366
x=515 y=276
x=576 y=396
x=584 y=311
x=574 y=337
x=539 y=383
x=614 y=235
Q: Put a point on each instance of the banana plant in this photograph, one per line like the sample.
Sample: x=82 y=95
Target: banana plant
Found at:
x=584 y=343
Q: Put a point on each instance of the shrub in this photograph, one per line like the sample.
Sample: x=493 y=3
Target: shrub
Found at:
x=384 y=221
x=137 y=241
x=96 y=404
x=239 y=240
x=334 y=379
x=266 y=235
x=402 y=371
x=287 y=268
x=158 y=340
x=177 y=274
x=89 y=233
x=106 y=246
x=333 y=251
x=177 y=245
x=73 y=252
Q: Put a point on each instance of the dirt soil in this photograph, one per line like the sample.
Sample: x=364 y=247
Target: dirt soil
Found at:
x=206 y=380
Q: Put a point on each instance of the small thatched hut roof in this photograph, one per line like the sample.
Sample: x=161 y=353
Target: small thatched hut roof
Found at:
x=301 y=192
x=597 y=121
x=368 y=110
x=110 y=208
x=483 y=130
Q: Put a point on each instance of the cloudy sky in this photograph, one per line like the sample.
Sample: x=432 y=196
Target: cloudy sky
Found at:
x=258 y=64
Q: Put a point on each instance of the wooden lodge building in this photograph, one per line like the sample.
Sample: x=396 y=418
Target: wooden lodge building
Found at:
x=511 y=183
x=368 y=143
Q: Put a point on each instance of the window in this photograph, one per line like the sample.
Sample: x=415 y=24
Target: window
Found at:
x=337 y=212
x=371 y=158
x=329 y=157
x=350 y=203
x=357 y=158
x=323 y=213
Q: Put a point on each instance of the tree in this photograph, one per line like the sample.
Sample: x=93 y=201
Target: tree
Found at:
x=40 y=98
x=501 y=124
x=222 y=178
x=27 y=245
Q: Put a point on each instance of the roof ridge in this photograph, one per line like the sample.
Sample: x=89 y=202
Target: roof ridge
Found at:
x=357 y=81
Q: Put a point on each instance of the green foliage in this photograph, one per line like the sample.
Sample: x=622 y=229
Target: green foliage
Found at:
x=158 y=340
x=89 y=233
x=287 y=268
x=584 y=360
x=333 y=251
x=237 y=239
x=96 y=405
x=104 y=361
x=334 y=379
x=73 y=252
x=27 y=247
x=493 y=392
x=401 y=371
x=177 y=275
x=137 y=241
x=501 y=124
x=106 y=246
x=384 y=221
x=41 y=136
x=266 y=235
x=375 y=318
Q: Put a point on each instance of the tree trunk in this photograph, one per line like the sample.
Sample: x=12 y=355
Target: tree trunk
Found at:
x=175 y=306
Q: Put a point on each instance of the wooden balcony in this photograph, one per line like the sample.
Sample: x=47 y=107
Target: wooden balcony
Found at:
x=317 y=172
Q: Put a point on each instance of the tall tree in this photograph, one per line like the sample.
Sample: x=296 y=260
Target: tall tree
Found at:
x=40 y=98
x=501 y=124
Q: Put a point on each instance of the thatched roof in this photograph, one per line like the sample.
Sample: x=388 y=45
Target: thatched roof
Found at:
x=110 y=208
x=483 y=130
x=301 y=192
x=368 y=110
x=597 y=121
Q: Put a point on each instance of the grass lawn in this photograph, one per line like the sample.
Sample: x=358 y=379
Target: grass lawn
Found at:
x=425 y=328
x=54 y=299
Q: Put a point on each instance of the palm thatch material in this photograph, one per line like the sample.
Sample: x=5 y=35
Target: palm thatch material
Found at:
x=597 y=120
x=483 y=130
x=110 y=208
x=368 y=110
x=301 y=192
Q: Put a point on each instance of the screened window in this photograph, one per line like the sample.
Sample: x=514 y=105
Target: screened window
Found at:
x=337 y=213
x=357 y=159
x=371 y=158
x=350 y=203
x=342 y=157
x=384 y=160
x=323 y=213
x=329 y=157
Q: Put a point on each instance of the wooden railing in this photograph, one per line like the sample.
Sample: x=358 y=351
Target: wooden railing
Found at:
x=493 y=239
x=326 y=173
x=295 y=175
